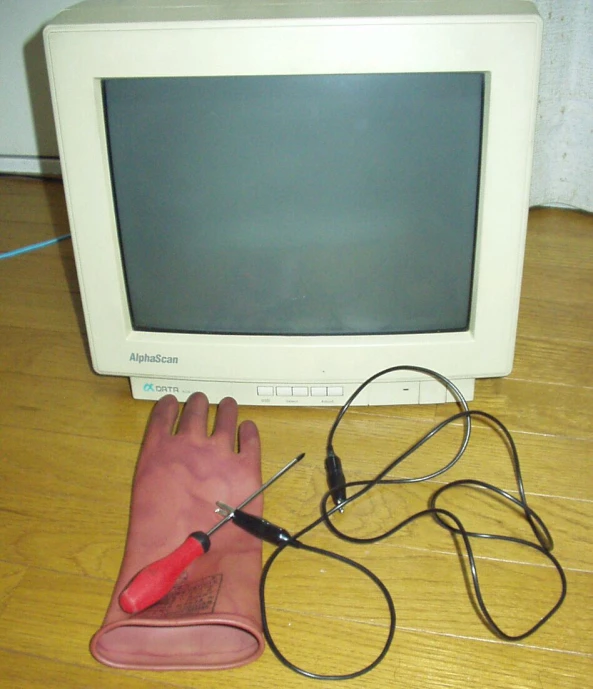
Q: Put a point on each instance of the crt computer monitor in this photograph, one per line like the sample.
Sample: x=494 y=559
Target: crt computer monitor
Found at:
x=274 y=201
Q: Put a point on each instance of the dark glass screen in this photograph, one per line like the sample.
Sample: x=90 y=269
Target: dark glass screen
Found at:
x=313 y=205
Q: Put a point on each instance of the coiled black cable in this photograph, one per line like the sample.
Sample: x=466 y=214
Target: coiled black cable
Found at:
x=444 y=518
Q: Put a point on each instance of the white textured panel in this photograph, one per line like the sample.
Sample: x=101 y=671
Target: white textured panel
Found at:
x=563 y=162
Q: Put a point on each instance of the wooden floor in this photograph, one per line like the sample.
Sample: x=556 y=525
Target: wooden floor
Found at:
x=69 y=441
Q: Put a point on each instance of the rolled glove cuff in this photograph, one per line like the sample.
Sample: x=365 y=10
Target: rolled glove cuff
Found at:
x=207 y=642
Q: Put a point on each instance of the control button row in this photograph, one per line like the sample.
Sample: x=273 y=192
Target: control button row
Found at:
x=300 y=390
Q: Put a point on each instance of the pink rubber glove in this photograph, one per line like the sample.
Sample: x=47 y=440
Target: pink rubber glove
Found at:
x=211 y=618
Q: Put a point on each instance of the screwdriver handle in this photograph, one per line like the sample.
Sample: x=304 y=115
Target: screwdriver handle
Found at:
x=157 y=579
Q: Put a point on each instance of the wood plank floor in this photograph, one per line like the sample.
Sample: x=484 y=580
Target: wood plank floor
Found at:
x=69 y=441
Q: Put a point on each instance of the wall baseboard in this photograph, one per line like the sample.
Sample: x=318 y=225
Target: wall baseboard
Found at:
x=30 y=165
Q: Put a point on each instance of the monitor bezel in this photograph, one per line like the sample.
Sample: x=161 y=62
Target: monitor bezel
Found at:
x=504 y=48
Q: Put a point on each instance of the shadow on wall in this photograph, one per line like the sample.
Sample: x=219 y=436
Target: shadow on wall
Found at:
x=40 y=100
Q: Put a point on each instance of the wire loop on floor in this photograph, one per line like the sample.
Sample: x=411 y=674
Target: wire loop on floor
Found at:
x=445 y=518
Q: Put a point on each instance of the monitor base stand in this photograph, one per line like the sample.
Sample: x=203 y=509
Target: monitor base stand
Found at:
x=291 y=394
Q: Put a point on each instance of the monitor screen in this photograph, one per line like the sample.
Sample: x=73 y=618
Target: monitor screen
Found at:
x=297 y=205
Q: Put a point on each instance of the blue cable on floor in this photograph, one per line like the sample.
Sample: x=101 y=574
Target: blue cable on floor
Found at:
x=33 y=247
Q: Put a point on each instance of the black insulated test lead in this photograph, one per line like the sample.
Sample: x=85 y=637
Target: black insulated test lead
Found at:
x=336 y=481
x=257 y=526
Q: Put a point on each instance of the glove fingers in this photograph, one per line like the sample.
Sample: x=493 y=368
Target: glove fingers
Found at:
x=249 y=441
x=225 y=427
x=193 y=422
x=162 y=419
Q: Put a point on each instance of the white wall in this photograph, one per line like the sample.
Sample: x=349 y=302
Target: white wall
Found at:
x=563 y=166
x=26 y=122
x=563 y=160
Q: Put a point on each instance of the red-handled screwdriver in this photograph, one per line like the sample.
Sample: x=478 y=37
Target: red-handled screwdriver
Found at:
x=157 y=579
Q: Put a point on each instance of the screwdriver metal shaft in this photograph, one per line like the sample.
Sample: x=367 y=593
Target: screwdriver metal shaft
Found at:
x=259 y=491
